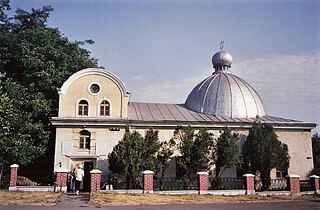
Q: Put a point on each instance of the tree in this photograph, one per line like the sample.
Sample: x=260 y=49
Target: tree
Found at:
x=262 y=152
x=227 y=152
x=133 y=154
x=316 y=150
x=22 y=135
x=150 y=148
x=163 y=157
x=35 y=60
x=195 y=150
x=4 y=7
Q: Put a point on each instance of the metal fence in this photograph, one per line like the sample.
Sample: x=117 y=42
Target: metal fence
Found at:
x=275 y=185
x=4 y=182
x=28 y=178
x=39 y=178
x=226 y=183
x=175 y=183
x=119 y=181
x=305 y=185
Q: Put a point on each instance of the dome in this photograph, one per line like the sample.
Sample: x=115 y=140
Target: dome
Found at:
x=224 y=94
x=221 y=58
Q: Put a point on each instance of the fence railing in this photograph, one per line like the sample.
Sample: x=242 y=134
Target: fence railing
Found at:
x=39 y=178
x=305 y=185
x=5 y=182
x=226 y=183
x=275 y=185
x=119 y=181
x=174 y=183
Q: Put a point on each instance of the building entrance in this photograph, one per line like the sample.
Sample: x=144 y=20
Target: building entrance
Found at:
x=88 y=166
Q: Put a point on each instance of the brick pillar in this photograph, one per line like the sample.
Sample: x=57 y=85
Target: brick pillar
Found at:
x=13 y=177
x=95 y=180
x=203 y=182
x=249 y=184
x=314 y=180
x=148 y=181
x=61 y=180
x=293 y=184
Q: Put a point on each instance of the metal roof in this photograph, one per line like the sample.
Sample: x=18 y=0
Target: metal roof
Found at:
x=171 y=115
x=159 y=112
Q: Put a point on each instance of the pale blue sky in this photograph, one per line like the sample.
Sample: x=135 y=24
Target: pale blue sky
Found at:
x=164 y=47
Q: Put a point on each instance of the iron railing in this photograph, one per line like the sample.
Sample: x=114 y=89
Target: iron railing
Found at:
x=175 y=183
x=305 y=185
x=5 y=182
x=275 y=185
x=119 y=181
x=226 y=183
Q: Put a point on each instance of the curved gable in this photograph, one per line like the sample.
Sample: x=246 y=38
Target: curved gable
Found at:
x=93 y=85
x=94 y=71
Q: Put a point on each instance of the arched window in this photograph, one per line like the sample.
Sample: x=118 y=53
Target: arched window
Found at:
x=83 y=108
x=84 y=140
x=104 y=108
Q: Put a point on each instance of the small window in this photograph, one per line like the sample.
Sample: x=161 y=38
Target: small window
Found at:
x=83 y=108
x=104 y=108
x=84 y=140
x=94 y=88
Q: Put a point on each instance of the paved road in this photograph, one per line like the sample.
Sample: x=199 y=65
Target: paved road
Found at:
x=73 y=202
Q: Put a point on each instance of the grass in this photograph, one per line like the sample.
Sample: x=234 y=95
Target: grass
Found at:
x=140 y=199
x=45 y=198
x=19 y=198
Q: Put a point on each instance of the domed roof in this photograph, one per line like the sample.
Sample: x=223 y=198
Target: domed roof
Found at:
x=224 y=94
x=222 y=58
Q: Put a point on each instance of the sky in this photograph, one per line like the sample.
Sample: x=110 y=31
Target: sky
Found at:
x=161 y=49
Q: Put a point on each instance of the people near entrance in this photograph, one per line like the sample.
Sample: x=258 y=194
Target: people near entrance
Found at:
x=73 y=180
x=79 y=174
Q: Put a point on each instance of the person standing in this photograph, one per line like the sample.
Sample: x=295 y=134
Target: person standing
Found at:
x=79 y=174
x=73 y=180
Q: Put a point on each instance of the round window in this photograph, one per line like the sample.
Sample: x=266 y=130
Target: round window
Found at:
x=94 y=88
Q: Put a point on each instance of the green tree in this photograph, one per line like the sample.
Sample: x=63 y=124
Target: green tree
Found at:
x=262 y=152
x=316 y=150
x=151 y=146
x=23 y=137
x=194 y=150
x=163 y=157
x=133 y=154
x=227 y=152
x=35 y=60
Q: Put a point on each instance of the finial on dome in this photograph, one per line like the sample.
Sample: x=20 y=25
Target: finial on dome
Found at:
x=222 y=60
x=221 y=45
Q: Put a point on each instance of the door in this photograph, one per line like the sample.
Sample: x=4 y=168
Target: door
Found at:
x=88 y=166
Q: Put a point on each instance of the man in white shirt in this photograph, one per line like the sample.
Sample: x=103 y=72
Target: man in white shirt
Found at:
x=79 y=174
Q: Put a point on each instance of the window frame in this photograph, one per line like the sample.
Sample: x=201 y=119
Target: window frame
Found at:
x=103 y=111
x=82 y=108
x=99 y=108
x=85 y=136
x=90 y=91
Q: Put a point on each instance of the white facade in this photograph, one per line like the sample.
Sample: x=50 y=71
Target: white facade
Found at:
x=95 y=110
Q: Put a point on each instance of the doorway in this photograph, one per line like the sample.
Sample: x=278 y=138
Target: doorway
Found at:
x=88 y=166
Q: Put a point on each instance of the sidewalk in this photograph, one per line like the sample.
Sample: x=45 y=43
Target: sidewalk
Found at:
x=71 y=200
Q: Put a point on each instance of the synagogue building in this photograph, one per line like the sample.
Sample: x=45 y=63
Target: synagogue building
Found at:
x=95 y=110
